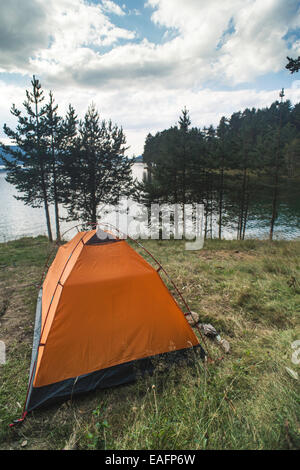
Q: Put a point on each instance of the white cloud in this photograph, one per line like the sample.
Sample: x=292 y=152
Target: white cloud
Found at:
x=140 y=113
x=20 y=38
x=141 y=85
x=37 y=35
x=112 y=7
x=61 y=41
x=256 y=45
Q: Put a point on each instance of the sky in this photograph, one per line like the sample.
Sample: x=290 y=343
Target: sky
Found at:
x=141 y=62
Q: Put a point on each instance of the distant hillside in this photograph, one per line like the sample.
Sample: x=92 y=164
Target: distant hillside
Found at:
x=138 y=159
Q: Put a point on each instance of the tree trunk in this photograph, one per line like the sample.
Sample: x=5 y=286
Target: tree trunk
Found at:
x=48 y=220
x=275 y=192
x=221 y=199
x=211 y=206
x=56 y=208
x=46 y=205
x=245 y=215
x=206 y=216
x=274 y=206
x=44 y=187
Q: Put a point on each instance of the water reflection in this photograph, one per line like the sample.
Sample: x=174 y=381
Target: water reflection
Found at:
x=17 y=219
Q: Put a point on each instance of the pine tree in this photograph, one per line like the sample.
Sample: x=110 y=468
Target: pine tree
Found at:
x=277 y=164
x=210 y=164
x=29 y=170
x=193 y=165
x=97 y=170
x=221 y=150
x=53 y=130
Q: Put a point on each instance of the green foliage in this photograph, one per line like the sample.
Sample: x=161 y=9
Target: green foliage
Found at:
x=96 y=170
x=97 y=433
x=58 y=160
x=293 y=65
x=225 y=168
x=43 y=138
x=172 y=159
x=29 y=168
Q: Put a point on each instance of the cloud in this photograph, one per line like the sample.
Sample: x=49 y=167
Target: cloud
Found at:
x=38 y=33
x=112 y=7
x=22 y=33
x=141 y=112
x=253 y=46
x=258 y=45
x=233 y=41
x=75 y=48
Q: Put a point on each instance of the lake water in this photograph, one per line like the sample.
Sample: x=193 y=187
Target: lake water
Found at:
x=17 y=220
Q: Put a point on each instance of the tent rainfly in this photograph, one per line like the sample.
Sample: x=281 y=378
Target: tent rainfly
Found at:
x=102 y=313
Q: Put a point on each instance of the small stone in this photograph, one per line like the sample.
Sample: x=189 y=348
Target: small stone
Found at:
x=292 y=373
x=24 y=443
x=225 y=345
x=209 y=330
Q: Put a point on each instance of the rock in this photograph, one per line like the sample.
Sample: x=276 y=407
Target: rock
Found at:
x=192 y=318
x=292 y=373
x=208 y=330
x=225 y=345
x=24 y=443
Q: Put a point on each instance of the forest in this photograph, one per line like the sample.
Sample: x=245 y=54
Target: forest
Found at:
x=251 y=156
x=254 y=153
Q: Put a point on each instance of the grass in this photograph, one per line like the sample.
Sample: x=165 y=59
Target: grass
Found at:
x=250 y=291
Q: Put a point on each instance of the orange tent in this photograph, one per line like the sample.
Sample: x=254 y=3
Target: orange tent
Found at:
x=102 y=314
